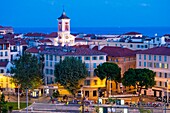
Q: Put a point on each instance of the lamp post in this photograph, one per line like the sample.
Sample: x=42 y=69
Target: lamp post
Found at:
x=18 y=98
x=82 y=97
x=167 y=92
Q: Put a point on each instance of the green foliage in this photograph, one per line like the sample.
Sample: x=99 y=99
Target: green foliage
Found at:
x=15 y=105
x=10 y=108
x=69 y=72
x=56 y=94
x=142 y=78
x=142 y=110
x=109 y=71
x=27 y=71
x=3 y=106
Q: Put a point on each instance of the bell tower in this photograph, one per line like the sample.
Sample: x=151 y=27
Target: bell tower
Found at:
x=64 y=36
x=64 y=23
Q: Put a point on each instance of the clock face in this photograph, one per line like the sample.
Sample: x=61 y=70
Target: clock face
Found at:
x=67 y=37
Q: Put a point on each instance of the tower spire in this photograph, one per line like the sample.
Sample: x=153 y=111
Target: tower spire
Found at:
x=64 y=11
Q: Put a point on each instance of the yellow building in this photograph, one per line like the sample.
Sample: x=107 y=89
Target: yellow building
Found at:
x=5 y=83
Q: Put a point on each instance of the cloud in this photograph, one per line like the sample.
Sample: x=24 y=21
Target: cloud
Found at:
x=144 y=4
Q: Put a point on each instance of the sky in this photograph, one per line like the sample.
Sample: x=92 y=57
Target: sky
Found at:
x=86 y=13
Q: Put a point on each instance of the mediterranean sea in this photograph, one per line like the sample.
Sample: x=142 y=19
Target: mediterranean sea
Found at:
x=146 y=31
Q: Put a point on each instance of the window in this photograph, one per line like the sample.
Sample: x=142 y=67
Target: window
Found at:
x=160 y=65
x=160 y=58
x=87 y=65
x=86 y=58
x=160 y=83
x=101 y=57
x=124 y=59
x=46 y=63
x=51 y=64
x=146 y=46
x=150 y=58
x=94 y=65
x=55 y=58
x=138 y=46
x=6 y=53
x=87 y=82
x=87 y=93
x=149 y=64
x=1 y=47
x=165 y=58
x=144 y=57
x=46 y=57
x=1 y=71
x=166 y=66
x=80 y=58
x=160 y=74
x=165 y=84
x=94 y=93
x=144 y=64
x=1 y=53
x=140 y=56
x=156 y=65
x=95 y=82
x=51 y=57
x=88 y=73
x=154 y=57
x=51 y=72
x=47 y=71
x=165 y=75
x=139 y=63
x=116 y=60
x=131 y=45
x=94 y=58
x=5 y=47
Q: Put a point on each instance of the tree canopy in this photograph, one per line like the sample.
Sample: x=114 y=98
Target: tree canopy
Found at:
x=27 y=72
x=69 y=72
x=108 y=71
x=139 y=78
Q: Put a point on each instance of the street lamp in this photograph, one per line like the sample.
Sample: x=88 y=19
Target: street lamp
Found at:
x=18 y=98
x=167 y=92
x=82 y=97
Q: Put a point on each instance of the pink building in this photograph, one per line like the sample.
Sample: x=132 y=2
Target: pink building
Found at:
x=158 y=60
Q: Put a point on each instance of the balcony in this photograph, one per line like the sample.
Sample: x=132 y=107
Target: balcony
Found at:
x=14 y=50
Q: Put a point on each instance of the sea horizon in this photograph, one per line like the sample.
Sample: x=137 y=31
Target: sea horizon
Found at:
x=146 y=31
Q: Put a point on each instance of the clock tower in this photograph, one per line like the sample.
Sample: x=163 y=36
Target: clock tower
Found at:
x=64 y=37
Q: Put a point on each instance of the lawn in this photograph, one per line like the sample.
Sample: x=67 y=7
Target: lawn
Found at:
x=15 y=105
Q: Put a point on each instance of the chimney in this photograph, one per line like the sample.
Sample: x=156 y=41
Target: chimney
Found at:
x=100 y=47
x=91 y=46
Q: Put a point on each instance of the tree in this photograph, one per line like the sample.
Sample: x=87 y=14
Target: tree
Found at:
x=69 y=72
x=27 y=72
x=56 y=94
x=139 y=78
x=108 y=71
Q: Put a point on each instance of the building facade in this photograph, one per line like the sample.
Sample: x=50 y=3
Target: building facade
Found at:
x=158 y=60
x=91 y=59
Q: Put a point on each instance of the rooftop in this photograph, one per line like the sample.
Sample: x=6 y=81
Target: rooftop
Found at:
x=156 y=51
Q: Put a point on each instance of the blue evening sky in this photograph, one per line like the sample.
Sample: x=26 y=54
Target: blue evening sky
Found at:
x=86 y=13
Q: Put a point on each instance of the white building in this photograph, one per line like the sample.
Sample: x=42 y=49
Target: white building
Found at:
x=4 y=30
x=64 y=36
